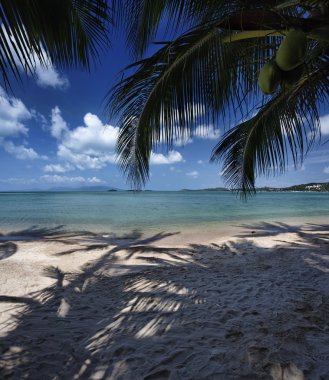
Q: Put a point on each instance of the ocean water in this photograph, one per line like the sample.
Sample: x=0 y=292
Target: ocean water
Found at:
x=114 y=212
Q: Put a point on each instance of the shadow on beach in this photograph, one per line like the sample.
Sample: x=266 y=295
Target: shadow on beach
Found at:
x=235 y=310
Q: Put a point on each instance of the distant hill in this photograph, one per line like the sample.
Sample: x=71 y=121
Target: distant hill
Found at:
x=313 y=186
x=85 y=188
x=209 y=189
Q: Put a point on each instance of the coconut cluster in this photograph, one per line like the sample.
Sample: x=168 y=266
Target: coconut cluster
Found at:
x=287 y=66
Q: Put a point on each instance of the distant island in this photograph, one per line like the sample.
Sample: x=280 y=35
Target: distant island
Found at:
x=313 y=186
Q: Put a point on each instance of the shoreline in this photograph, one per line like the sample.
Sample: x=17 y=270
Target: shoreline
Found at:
x=204 y=232
x=251 y=302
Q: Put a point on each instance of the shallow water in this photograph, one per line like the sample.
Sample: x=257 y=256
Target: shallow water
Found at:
x=127 y=211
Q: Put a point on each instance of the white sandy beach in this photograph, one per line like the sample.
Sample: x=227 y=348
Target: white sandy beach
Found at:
x=253 y=305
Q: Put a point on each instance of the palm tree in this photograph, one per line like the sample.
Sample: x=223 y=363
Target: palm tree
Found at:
x=207 y=73
x=67 y=33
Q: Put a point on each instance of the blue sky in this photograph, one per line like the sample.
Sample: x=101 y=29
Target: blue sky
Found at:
x=54 y=133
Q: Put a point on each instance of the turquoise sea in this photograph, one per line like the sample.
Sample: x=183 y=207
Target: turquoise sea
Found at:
x=157 y=211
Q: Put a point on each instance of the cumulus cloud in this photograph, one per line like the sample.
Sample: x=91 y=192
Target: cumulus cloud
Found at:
x=13 y=114
x=21 y=152
x=326 y=170
x=89 y=146
x=324 y=121
x=160 y=159
x=93 y=136
x=193 y=174
x=56 y=179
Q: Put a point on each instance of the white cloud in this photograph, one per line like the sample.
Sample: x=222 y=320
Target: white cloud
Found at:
x=58 y=125
x=90 y=146
x=18 y=181
x=45 y=73
x=200 y=162
x=58 y=168
x=160 y=159
x=13 y=113
x=183 y=141
x=326 y=170
x=206 y=133
x=68 y=180
x=324 y=121
x=193 y=174
x=20 y=151
x=94 y=136
x=49 y=76
x=82 y=161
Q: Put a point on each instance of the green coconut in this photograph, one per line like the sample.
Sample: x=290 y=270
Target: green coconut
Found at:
x=269 y=78
x=290 y=78
x=291 y=52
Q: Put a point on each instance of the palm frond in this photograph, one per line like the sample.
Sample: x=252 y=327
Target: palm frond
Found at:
x=193 y=80
x=209 y=76
x=66 y=33
x=143 y=19
x=285 y=127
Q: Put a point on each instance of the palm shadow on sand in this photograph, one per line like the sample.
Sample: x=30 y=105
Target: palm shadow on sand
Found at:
x=197 y=313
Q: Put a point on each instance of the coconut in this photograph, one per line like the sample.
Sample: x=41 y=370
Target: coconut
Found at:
x=291 y=52
x=290 y=78
x=269 y=77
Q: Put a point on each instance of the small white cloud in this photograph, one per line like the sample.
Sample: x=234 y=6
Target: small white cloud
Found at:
x=183 y=141
x=200 y=162
x=324 y=121
x=326 y=170
x=69 y=180
x=193 y=174
x=58 y=168
x=20 y=151
x=18 y=181
x=49 y=77
x=160 y=159
x=206 y=133
x=13 y=113
x=58 y=125
x=82 y=161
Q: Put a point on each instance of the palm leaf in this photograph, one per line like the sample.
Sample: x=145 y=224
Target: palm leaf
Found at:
x=208 y=76
x=285 y=127
x=171 y=92
x=66 y=33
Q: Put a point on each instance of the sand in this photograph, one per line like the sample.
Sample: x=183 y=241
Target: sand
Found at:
x=250 y=305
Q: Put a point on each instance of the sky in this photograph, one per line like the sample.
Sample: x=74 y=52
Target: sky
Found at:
x=54 y=133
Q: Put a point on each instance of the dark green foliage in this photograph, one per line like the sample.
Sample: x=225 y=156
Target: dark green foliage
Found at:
x=209 y=75
x=63 y=32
